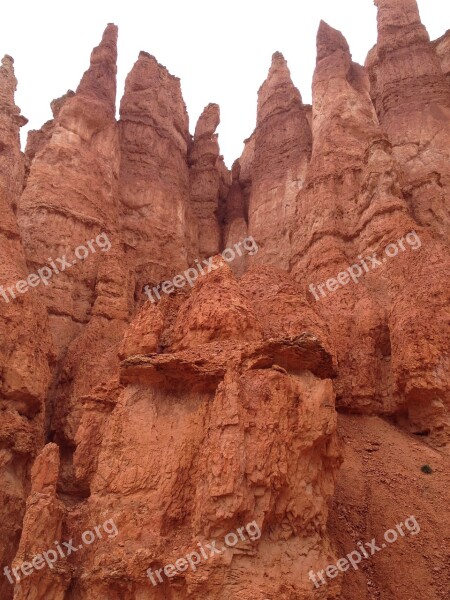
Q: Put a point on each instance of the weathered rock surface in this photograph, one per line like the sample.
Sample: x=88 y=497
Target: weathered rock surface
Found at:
x=351 y=208
x=412 y=98
x=182 y=420
x=209 y=182
x=234 y=219
x=38 y=139
x=71 y=200
x=202 y=404
x=24 y=341
x=21 y=355
x=343 y=125
x=282 y=149
x=42 y=526
x=158 y=230
x=65 y=207
x=442 y=47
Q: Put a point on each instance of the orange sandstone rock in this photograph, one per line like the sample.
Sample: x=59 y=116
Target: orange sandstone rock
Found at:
x=185 y=419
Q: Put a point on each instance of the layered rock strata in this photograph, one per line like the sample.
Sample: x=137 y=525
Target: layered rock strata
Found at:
x=158 y=230
x=442 y=47
x=281 y=151
x=227 y=462
x=181 y=421
x=234 y=219
x=378 y=317
x=71 y=201
x=63 y=208
x=411 y=95
x=209 y=182
x=25 y=349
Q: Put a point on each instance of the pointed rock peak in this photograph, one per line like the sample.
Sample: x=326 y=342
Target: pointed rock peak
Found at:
x=57 y=104
x=399 y=13
x=208 y=121
x=212 y=108
x=393 y=17
x=8 y=62
x=278 y=60
x=278 y=76
x=156 y=67
x=148 y=74
x=8 y=82
x=144 y=56
x=110 y=35
x=279 y=67
x=152 y=91
x=8 y=85
x=278 y=92
x=330 y=40
x=99 y=81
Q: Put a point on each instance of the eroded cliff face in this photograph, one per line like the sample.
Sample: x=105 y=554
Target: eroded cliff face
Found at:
x=281 y=151
x=200 y=400
x=209 y=182
x=146 y=430
x=154 y=175
x=442 y=47
x=25 y=351
x=411 y=94
x=379 y=316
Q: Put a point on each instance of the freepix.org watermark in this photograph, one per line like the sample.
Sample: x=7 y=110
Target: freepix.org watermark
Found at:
x=63 y=550
x=205 y=552
x=44 y=274
x=191 y=275
x=365 y=551
x=365 y=265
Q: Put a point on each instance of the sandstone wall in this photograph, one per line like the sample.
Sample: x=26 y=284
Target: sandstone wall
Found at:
x=188 y=418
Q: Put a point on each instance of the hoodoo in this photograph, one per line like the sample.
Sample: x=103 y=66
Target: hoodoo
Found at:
x=274 y=420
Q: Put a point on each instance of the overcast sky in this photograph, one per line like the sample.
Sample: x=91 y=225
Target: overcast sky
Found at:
x=220 y=50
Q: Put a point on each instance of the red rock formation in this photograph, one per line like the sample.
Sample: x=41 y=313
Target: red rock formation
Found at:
x=282 y=148
x=12 y=159
x=234 y=219
x=412 y=99
x=18 y=358
x=183 y=420
x=88 y=301
x=61 y=209
x=158 y=228
x=209 y=181
x=442 y=47
x=42 y=526
x=361 y=211
x=25 y=344
x=38 y=139
x=344 y=125
x=200 y=400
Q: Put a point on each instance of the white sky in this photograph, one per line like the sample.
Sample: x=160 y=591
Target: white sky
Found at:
x=220 y=51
